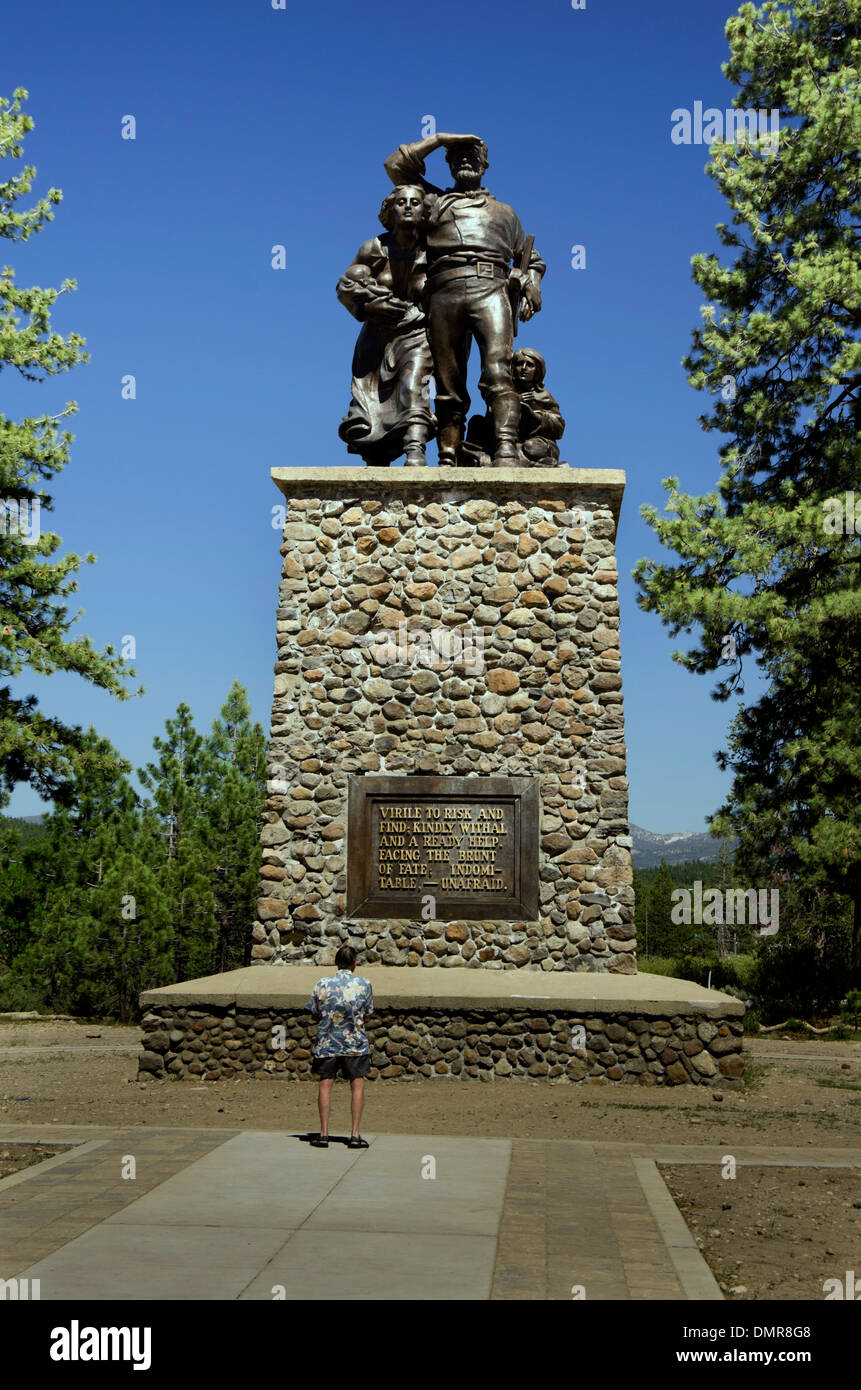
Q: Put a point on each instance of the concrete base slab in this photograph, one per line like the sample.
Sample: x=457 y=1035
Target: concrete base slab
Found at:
x=602 y=483
x=397 y=987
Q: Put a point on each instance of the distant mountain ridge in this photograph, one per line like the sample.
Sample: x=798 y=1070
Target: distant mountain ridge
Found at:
x=650 y=849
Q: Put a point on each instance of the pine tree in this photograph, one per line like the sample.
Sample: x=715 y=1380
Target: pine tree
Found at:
x=641 y=914
x=17 y=890
x=119 y=897
x=111 y=937
x=765 y=573
x=102 y=930
x=128 y=944
x=236 y=778
x=725 y=880
x=663 y=933
x=182 y=858
x=34 y=621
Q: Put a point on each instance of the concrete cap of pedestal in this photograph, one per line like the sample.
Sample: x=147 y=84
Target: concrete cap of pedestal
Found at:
x=607 y=484
x=404 y=987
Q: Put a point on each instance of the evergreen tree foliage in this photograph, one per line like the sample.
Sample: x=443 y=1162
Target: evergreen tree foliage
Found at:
x=665 y=937
x=117 y=895
x=35 y=622
x=181 y=858
x=17 y=888
x=764 y=570
x=101 y=931
x=235 y=789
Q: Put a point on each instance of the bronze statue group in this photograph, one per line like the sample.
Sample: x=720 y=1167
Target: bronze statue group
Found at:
x=450 y=267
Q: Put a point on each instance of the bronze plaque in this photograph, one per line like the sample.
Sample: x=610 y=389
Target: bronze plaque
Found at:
x=468 y=843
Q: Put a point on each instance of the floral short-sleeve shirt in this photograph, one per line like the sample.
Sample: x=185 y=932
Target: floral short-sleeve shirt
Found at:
x=341 y=1001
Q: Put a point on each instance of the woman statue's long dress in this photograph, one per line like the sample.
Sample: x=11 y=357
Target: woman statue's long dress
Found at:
x=389 y=410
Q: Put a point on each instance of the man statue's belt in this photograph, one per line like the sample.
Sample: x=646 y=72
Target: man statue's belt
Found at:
x=449 y=268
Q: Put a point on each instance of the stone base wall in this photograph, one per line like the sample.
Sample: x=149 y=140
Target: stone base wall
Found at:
x=216 y=1043
x=518 y=568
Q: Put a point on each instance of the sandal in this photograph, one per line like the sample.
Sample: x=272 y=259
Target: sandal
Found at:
x=319 y=1142
x=357 y=1142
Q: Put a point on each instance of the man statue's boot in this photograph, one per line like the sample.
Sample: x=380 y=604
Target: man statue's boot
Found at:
x=414 y=446
x=505 y=413
x=450 y=440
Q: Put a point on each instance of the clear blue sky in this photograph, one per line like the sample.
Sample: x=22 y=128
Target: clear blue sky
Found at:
x=258 y=126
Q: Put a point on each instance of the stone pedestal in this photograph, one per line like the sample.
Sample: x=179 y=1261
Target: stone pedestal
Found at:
x=455 y=629
x=475 y=1025
x=449 y=623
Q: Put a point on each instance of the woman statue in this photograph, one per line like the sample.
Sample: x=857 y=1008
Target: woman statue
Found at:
x=389 y=410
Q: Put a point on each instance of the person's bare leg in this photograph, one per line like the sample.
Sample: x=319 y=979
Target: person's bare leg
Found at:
x=357 y=1100
x=324 y=1101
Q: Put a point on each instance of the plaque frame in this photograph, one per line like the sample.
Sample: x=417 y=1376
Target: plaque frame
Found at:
x=520 y=905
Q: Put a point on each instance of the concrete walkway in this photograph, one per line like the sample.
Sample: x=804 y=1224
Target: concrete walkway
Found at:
x=221 y=1214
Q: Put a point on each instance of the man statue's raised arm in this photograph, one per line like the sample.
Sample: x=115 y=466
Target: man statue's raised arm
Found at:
x=406 y=164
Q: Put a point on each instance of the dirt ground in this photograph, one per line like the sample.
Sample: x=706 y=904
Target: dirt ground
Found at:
x=12 y=1160
x=772 y=1233
x=791 y=1100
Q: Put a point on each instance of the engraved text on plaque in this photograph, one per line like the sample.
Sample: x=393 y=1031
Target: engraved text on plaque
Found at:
x=468 y=846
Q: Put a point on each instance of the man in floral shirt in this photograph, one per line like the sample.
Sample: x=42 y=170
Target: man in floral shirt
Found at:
x=339 y=1005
